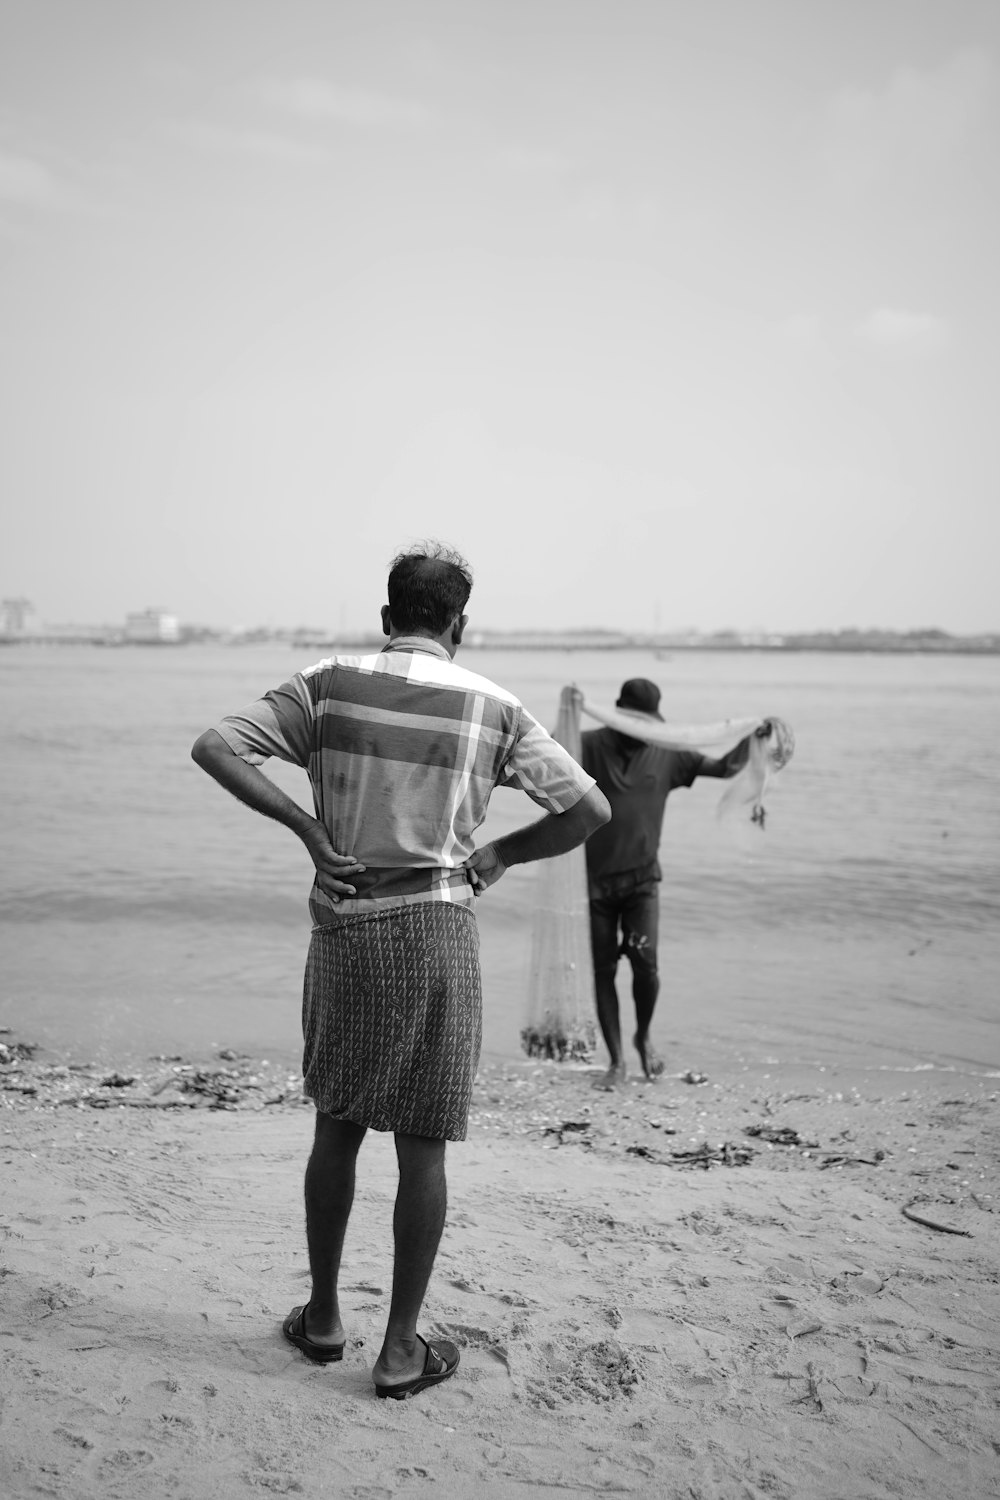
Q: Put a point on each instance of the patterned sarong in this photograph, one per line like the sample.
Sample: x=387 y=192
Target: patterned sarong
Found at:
x=392 y=1018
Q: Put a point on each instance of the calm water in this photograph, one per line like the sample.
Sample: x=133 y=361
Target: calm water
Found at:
x=142 y=910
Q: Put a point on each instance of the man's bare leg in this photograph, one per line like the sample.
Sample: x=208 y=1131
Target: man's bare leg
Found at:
x=610 y=1024
x=604 y=947
x=329 y=1197
x=652 y=1063
x=645 y=989
x=417 y=1224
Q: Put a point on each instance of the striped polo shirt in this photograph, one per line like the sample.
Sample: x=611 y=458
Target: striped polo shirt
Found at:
x=403 y=749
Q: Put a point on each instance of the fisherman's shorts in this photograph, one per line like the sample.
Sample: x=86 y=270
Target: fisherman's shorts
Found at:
x=624 y=923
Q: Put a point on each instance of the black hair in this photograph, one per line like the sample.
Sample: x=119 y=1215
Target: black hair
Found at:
x=428 y=586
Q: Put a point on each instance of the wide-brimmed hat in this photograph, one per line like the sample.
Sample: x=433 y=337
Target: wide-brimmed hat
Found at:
x=641 y=696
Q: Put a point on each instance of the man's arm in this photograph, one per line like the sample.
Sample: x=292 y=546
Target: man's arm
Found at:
x=258 y=791
x=556 y=833
x=734 y=760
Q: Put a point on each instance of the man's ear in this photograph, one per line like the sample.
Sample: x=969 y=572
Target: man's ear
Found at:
x=386 y=622
x=457 y=627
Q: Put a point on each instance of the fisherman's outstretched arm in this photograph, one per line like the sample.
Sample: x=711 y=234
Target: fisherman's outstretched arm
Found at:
x=734 y=760
x=556 y=833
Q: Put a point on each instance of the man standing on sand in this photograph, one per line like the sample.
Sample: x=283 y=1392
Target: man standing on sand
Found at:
x=623 y=870
x=403 y=749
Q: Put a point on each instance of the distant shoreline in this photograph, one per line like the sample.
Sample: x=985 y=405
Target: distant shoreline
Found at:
x=845 y=643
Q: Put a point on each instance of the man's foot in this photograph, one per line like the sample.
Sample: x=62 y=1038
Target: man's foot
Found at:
x=323 y=1350
x=613 y=1079
x=652 y=1063
x=432 y=1363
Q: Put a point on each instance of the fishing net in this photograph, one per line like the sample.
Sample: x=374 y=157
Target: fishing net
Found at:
x=744 y=794
x=560 y=1022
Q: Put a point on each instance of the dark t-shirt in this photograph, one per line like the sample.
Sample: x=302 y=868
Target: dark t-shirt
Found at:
x=636 y=779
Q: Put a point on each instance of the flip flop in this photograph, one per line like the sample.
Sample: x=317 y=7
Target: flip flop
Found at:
x=294 y=1330
x=440 y=1362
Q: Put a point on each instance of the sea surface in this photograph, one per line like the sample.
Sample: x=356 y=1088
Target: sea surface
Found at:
x=144 y=912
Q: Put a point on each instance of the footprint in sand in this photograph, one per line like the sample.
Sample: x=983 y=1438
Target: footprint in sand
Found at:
x=124 y=1461
x=473 y=1337
x=75 y=1438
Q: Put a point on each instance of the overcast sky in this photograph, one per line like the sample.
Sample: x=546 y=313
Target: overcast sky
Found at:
x=668 y=313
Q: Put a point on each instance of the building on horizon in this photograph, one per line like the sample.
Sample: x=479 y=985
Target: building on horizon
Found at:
x=152 y=626
x=17 y=617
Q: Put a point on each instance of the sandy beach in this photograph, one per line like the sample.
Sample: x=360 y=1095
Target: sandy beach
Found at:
x=766 y=1283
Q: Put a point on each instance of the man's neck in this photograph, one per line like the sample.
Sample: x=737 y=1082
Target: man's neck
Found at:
x=448 y=640
x=626 y=744
x=416 y=639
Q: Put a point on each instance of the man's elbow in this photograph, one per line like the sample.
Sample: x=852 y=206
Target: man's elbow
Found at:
x=596 y=810
x=205 y=749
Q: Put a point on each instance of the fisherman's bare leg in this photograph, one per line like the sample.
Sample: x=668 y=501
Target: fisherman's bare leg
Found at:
x=640 y=926
x=417 y=1224
x=608 y=1018
x=329 y=1191
x=604 y=947
x=645 y=988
